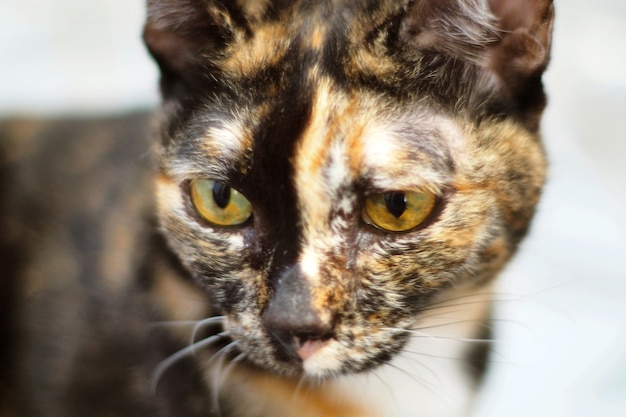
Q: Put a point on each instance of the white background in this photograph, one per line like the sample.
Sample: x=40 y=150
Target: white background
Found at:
x=562 y=303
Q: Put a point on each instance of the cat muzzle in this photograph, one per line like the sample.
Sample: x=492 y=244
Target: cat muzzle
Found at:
x=291 y=319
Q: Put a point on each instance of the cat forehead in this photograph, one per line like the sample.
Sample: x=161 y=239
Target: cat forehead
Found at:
x=355 y=136
x=315 y=33
x=347 y=137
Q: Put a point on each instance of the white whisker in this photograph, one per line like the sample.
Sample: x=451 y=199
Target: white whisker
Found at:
x=449 y=322
x=433 y=337
x=296 y=391
x=385 y=384
x=191 y=349
x=172 y=323
x=421 y=365
x=434 y=313
x=456 y=358
x=182 y=323
x=218 y=374
x=430 y=355
x=239 y=357
x=422 y=381
x=476 y=298
x=434 y=307
x=202 y=323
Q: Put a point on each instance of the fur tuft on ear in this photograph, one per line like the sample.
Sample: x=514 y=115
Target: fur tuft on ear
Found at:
x=459 y=28
x=180 y=33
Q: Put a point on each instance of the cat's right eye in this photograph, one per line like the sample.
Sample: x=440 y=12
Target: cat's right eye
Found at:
x=399 y=211
x=218 y=203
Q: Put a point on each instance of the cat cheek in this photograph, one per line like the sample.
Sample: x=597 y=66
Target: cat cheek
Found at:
x=169 y=197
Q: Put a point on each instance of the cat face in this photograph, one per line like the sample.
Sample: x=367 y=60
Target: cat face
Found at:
x=329 y=171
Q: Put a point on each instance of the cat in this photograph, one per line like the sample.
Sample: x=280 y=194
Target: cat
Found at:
x=334 y=187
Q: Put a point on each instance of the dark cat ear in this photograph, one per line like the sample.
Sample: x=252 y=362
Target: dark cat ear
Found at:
x=523 y=49
x=181 y=33
x=510 y=38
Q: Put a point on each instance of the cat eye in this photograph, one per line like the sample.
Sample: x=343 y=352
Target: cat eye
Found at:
x=218 y=203
x=398 y=211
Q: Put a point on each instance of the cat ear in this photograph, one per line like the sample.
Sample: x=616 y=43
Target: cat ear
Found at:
x=509 y=38
x=459 y=28
x=180 y=34
x=523 y=49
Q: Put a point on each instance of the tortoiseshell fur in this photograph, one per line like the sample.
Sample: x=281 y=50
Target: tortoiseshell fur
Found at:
x=307 y=108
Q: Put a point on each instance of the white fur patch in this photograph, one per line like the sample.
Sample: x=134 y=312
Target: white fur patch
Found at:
x=429 y=377
x=229 y=138
x=169 y=198
x=388 y=146
x=324 y=362
x=220 y=146
x=310 y=263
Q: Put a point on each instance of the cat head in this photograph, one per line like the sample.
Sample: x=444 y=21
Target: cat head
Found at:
x=327 y=169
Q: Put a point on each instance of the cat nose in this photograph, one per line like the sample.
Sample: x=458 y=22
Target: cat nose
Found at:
x=292 y=320
x=302 y=343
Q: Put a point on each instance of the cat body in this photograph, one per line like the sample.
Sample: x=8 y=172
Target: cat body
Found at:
x=336 y=186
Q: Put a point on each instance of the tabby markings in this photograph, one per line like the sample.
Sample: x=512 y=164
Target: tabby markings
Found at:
x=265 y=49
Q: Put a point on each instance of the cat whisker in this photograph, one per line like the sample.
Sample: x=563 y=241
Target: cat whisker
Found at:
x=406 y=354
x=220 y=372
x=498 y=297
x=296 y=392
x=307 y=382
x=197 y=325
x=203 y=323
x=446 y=318
x=384 y=383
x=430 y=355
x=449 y=322
x=172 y=323
x=421 y=364
x=237 y=359
x=182 y=323
x=172 y=359
x=420 y=334
x=433 y=337
x=470 y=301
x=459 y=339
x=423 y=382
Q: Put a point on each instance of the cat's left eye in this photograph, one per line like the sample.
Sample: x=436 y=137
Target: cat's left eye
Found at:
x=218 y=203
x=398 y=211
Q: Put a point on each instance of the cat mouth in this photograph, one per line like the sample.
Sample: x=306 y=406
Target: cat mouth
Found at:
x=315 y=358
x=319 y=358
x=300 y=349
x=293 y=355
x=308 y=348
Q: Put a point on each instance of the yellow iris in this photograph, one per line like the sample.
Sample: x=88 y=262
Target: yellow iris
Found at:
x=218 y=203
x=399 y=211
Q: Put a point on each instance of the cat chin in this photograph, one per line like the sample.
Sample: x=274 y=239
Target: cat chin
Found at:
x=324 y=362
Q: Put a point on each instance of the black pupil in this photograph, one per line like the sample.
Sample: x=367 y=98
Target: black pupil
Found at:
x=221 y=194
x=395 y=202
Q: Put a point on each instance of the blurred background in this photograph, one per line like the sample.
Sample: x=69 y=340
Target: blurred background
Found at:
x=561 y=328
